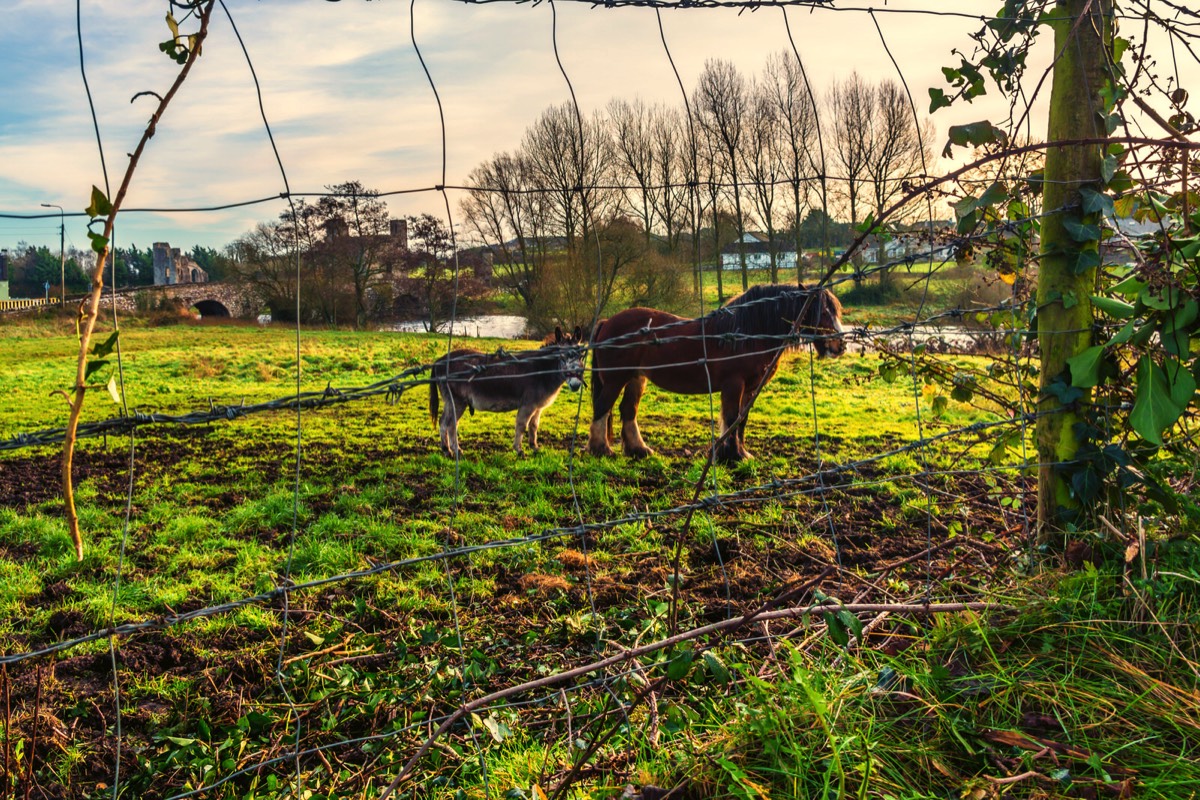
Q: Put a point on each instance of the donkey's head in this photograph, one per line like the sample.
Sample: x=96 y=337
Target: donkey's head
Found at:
x=571 y=355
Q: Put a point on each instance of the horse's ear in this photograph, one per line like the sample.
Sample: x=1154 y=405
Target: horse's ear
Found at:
x=557 y=334
x=578 y=333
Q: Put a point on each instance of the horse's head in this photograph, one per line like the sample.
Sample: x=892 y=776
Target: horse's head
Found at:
x=824 y=319
x=571 y=355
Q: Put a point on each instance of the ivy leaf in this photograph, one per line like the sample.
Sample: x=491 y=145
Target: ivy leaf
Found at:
x=1154 y=406
x=1108 y=168
x=1096 y=202
x=937 y=99
x=1085 y=367
x=973 y=134
x=1086 y=260
x=1081 y=231
x=100 y=206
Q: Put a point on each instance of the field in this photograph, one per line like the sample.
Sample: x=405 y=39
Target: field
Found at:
x=355 y=671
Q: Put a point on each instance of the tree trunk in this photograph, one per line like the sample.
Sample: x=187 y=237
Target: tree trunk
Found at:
x=1064 y=328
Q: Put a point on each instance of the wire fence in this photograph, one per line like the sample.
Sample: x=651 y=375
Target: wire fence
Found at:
x=449 y=706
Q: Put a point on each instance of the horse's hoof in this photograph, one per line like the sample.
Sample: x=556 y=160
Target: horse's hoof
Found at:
x=639 y=453
x=601 y=451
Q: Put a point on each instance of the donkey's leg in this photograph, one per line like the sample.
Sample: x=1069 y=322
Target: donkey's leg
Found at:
x=730 y=451
x=535 y=419
x=448 y=425
x=604 y=396
x=523 y=415
x=631 y=437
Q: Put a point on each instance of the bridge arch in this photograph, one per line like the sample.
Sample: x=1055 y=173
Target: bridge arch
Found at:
x=211 y=308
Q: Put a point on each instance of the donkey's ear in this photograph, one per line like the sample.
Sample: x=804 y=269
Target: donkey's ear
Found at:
x=578 y=334
x=557 y=334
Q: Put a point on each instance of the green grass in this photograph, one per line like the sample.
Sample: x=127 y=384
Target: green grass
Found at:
x=215 y=506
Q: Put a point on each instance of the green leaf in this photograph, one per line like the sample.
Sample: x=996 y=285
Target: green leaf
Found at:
x=716 y=667
x=1159 y=302
x=1108 y=169
x=1130 y=287
x=100 y=206
x=1120 y=45
x=837 y=629
x=680 y=665
x=92 y=368
x=1117 y=309
x=1154 y=407
x=1122 y=336
x=939 y=405
x=1086 y=260
x=852 y=623
x=973 y=134
x=102 y=349
x=1081 y=231
x=1183 y=383
x=994 y=194
x=937 y=99
x=1096 y=202
x=99 y=242
x=1085 y=367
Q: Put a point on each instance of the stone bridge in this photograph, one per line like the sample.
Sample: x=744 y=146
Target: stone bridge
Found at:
x=210 y=299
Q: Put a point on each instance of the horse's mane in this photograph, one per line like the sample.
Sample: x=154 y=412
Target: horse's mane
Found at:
x=767 y=310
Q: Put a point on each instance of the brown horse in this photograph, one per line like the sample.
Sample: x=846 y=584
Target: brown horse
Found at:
x=731 y=350
x=526 y=382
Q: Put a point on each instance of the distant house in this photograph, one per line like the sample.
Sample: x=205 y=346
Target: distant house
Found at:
x=172 y=267
x=758 y=253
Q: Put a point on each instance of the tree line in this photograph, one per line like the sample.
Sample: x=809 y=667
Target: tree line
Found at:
x=628 y=199
x=618 y=208
x=37 y=270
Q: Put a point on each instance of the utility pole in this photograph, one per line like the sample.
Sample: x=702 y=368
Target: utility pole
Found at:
x=62 y=250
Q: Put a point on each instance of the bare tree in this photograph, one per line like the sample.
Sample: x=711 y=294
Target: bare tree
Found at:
x=672 y=197
x=634 y=165
x=761 y=157
x=571 y=165
x=721 y=103
x=852 y=105
x=506 y=212
x=795 y=109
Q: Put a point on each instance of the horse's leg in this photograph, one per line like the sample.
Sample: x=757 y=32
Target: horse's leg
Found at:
x=731 y=405
x=523 y=415
x=631 y=437
x=604 y=395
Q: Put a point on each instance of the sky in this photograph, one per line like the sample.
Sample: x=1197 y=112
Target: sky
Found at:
x=347 y=99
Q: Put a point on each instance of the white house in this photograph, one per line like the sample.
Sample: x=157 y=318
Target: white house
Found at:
x=758 y=253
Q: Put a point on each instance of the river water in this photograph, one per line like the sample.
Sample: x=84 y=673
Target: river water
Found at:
x=491 y=326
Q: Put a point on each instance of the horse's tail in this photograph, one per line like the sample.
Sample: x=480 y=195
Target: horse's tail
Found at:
x=433 y=402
